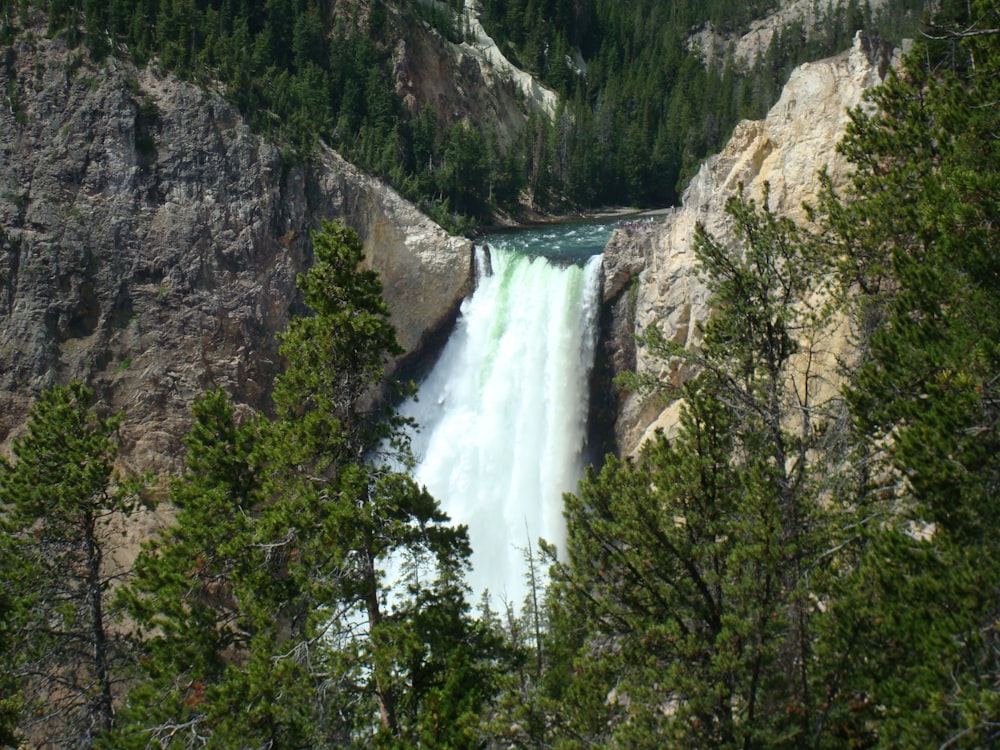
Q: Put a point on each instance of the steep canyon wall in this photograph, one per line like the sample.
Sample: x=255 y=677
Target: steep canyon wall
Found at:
x=149 y=241
x=149 y=244
x=651 y=273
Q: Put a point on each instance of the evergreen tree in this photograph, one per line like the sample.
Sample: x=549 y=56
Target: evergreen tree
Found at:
x=522 y=717
x=368 y=517
x=14 y=610
x=689 y=583
x=60 y=500
x=304 y=72
x=190 y=594
x=917 y=244
x=274 y=613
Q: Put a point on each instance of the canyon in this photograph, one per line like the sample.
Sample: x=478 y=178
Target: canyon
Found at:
x=150 y=242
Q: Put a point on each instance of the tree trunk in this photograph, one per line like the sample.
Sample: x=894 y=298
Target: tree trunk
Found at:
x=103 y=706
x=383 y=688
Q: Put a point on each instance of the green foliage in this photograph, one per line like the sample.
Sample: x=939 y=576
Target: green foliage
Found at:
x=184 y=586
x=781 y=573
x=445 y=17
x=529 y=677
x=917 y=245
x=463 y=175
x=298 y=71
x=784 y=571
x=640 y=109
x=645 y=110
x=336 y=357
x=15 y=608
x=60 y=500
x=270 y=609
x=780 y=576
x=691 y=574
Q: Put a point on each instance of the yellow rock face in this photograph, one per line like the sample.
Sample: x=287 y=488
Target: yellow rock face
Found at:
x=785 y=150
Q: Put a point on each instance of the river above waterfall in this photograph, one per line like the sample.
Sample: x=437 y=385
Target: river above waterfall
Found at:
x=503 y=414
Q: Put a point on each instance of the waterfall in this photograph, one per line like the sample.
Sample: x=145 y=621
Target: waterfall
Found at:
x=503 y=414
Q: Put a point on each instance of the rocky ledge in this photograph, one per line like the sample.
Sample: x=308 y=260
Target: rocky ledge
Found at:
x=149 y=244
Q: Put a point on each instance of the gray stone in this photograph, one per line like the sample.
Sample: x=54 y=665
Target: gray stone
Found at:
x=149 y=245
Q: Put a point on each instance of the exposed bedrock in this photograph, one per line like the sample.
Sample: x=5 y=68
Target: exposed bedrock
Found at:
x=651 y=274
x=149 y=244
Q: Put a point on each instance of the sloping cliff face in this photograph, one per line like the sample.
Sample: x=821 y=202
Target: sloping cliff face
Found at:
x=651 y=274
x=470 y=82
x=808 y=14
x=149 y=245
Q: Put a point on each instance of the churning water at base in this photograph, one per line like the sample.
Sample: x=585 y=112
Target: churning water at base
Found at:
x=503 y=415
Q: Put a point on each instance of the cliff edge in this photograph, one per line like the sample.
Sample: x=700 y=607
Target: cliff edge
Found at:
x=149 y=244
x=651 y=272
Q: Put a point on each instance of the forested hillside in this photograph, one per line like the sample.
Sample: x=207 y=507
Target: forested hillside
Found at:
x=790 y=570
x=795 y=567
x=639 y=111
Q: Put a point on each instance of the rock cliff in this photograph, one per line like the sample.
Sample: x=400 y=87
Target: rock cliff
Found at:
x=149 y=244
x=469 y=82
x=808 y=15
x=650 y=273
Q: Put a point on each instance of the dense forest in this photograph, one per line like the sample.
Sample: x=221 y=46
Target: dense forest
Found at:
x=793 y=569
x=640 y=108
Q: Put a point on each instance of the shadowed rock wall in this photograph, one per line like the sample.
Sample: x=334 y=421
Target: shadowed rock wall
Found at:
x=149 y=244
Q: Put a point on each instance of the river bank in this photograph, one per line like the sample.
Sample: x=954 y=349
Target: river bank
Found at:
x=535 y=220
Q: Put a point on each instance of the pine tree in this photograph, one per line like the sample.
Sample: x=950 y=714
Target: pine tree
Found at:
x=14 y=610
x=188 y=594
x=59 y=500
x=367 y=517
x=690 y=581
x=917 y=243
x=272 y=610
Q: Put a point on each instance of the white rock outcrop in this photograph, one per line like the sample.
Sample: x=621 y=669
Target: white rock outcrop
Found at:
x=745 y=48
x=493 y=62
x=785 y=150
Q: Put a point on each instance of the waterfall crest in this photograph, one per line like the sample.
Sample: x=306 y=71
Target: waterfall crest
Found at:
x=503 y=414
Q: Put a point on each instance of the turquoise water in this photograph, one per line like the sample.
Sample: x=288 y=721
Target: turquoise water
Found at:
x=559 y=242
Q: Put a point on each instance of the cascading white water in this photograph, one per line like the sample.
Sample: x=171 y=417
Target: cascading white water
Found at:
x=503 y=414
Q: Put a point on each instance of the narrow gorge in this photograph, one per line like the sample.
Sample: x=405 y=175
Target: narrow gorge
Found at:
x=378 y=374
x=158 y=259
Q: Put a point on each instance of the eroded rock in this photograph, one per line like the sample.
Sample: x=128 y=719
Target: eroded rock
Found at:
x=786 y=151
x=149 y=244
